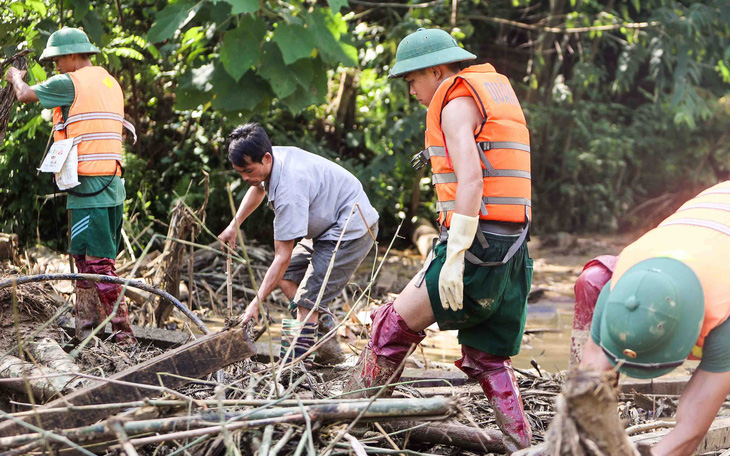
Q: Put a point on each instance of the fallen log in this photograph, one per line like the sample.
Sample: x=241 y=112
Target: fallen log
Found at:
x=162 y=338
x=455 y=435
x=43 y=383
x=171 y=369
x=48 y=353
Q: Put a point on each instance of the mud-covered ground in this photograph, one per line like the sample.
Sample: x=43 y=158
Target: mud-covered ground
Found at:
x=558 y=261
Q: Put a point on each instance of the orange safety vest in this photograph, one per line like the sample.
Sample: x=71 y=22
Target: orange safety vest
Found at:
x=698 y=235
x=502 y=139
x=95 y=122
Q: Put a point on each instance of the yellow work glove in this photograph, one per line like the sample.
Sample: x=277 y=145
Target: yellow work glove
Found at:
x=451 y=281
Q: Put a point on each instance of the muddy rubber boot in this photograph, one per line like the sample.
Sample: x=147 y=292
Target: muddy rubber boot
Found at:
x=504 y=396
x=108 y=294
x=88 y=310
x=390 y=342
x=370 y=373
x=290 y=328
x=120 y=321
x=497 y=379
x=330 y=353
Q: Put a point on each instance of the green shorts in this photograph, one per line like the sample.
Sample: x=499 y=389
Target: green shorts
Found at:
x=96 y=231
x=495 y=297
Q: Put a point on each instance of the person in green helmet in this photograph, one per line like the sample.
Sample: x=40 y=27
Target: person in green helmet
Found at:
x=88 y=116
x=478 y=276
x=667 y=301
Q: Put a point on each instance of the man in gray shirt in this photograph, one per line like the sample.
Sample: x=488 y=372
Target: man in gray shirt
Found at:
x=312 y=199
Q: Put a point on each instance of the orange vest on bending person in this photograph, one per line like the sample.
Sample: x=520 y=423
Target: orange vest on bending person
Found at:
x=95 y=122
x=502 y=139
x=698 y=235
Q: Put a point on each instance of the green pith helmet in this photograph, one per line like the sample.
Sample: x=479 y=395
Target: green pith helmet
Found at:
x=425 y=48
x=67 y=41
x=651 y=318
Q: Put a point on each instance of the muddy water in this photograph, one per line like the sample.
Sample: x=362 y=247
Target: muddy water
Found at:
x=547 y=338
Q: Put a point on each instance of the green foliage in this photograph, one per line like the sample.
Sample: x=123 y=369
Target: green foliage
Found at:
x=630 y=106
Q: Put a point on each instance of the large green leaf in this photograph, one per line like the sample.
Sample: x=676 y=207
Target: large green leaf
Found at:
x=294 y=41
x=171 y=18
x=330 y=36
x=312 y=90
x=241 y=6
x=273 y=69
x=242 y=47
x=80 y=8
x=233 y=96
x=93 y=27
x=194 y=87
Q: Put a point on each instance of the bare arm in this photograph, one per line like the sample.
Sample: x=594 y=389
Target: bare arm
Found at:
x=251 y=200
x=23 y=92
x=282 y=258
x=459 y=120
x=698 y=406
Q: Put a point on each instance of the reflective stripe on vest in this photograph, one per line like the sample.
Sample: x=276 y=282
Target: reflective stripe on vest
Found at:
x=502 y=142
x=443 y=206
x=698 y=222
x=98 y=116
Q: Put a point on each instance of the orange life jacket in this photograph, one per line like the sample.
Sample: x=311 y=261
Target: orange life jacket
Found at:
x=502 y=139
x=95 y=122
x=698 y=235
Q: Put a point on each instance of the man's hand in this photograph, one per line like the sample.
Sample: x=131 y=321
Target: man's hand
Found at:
x=451 y=280
x=228 y=236
x=14 y=73
x=252 y=312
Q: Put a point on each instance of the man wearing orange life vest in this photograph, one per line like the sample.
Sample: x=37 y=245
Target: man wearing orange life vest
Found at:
x=88 y=107
x=666 y=301
x=479 y=274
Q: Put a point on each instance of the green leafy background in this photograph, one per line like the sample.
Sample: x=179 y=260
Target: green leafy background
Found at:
x=627 y=101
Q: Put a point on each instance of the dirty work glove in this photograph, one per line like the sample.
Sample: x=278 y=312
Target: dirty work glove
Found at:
x=451 y=281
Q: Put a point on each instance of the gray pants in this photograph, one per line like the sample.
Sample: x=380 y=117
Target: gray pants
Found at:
x=310 y=261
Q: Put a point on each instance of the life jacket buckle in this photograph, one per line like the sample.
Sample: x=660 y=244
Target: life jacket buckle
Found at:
x=419 y=160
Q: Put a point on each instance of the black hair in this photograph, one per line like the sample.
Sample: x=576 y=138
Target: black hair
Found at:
x=250 y=141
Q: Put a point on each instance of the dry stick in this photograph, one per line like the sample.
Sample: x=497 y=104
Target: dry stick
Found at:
x=229 y=285
x=308 y=422
x=266 y=440
x=280 y=444
x=380 y=392
x=123 y=438
x=302 y=444
x=649 y=426
x=385 y=434
x=356 y=445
